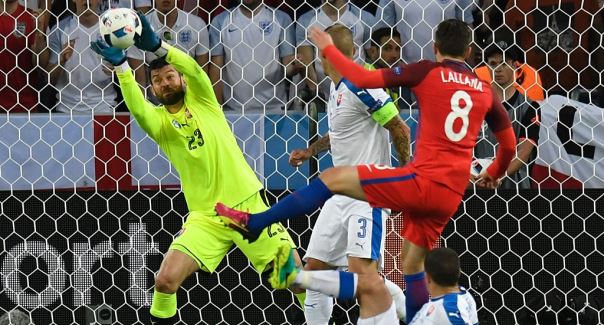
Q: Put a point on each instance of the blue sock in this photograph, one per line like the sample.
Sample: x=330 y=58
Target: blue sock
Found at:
x=303 y=201
x=337 y=284
x=347 y=286
x=416 y=294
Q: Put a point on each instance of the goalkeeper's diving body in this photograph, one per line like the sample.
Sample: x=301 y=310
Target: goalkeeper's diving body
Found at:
x=193 y=132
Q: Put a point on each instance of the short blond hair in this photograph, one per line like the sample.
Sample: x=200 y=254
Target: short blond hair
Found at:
x=342 y=38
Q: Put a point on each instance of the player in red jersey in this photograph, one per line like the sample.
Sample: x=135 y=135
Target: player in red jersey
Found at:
x=453 y=104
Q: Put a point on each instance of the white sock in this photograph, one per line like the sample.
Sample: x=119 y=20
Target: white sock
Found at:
x=398 y=297
x=336 y=284
x=317 y=308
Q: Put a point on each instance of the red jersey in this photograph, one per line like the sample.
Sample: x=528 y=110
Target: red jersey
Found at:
x=453 y=102
x=16 y=34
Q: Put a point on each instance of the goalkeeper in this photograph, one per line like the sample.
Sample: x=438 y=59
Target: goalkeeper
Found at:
x=193 y=132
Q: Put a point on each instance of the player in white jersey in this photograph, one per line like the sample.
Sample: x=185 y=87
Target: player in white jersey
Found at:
x=416 y=21
x=450 y=303
x=83 y=82
x=331 y=12
x=178 y=28
x=350 y=233
x=252 y=45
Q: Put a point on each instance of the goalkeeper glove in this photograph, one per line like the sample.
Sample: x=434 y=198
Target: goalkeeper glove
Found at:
x=113 y=55
x=148 y=40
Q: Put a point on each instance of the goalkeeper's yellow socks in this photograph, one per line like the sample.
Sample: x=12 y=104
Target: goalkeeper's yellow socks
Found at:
x=163 y=308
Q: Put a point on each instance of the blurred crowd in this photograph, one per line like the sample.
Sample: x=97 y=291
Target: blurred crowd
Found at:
x=259 y=59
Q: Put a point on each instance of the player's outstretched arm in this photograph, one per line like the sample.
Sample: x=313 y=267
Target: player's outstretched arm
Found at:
x=359 y=76
x=299 y=156
x=142 y=110
x=499 y=122
x=198 y=82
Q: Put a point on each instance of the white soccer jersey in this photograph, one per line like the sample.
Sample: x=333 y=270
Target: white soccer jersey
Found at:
x=252 y=48
x=83 y=86
x=351 y=227
x=354 y=136
x=416 y=21
x=358 y=21
x=453 y=308
x=189 y=33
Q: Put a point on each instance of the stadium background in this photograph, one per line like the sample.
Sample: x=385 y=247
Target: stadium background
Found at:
x=88 y=204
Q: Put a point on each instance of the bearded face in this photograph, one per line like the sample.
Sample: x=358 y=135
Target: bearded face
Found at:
x=170 y=96
x=167 y=85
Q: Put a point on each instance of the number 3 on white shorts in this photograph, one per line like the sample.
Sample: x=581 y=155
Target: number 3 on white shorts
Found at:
x=458 y=112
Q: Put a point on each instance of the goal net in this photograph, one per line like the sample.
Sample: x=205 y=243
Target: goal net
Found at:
x=89 y=204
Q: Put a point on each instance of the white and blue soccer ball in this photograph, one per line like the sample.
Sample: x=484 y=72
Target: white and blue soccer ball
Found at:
x=480 y=164
x=119 y=26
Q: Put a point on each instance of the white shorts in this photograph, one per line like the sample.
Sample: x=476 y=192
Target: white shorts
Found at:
x=386 y=318
x=348 y=227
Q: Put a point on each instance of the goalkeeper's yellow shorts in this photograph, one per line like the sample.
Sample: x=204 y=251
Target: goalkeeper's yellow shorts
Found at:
x=206 y=239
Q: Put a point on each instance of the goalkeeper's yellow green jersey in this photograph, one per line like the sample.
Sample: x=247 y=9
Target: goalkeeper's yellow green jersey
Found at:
x=198 y=139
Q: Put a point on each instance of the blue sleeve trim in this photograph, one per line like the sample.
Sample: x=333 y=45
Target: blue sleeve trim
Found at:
x=376 y=234
x=452 y=310
x=372 y=103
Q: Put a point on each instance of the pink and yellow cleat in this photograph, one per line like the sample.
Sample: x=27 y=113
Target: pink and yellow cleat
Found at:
x=236 y=220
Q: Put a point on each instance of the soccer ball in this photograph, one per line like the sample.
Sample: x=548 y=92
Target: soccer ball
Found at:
x=119 y=26
x=478 y=165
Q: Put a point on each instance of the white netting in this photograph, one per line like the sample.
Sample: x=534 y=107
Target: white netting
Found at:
x=88 y=204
